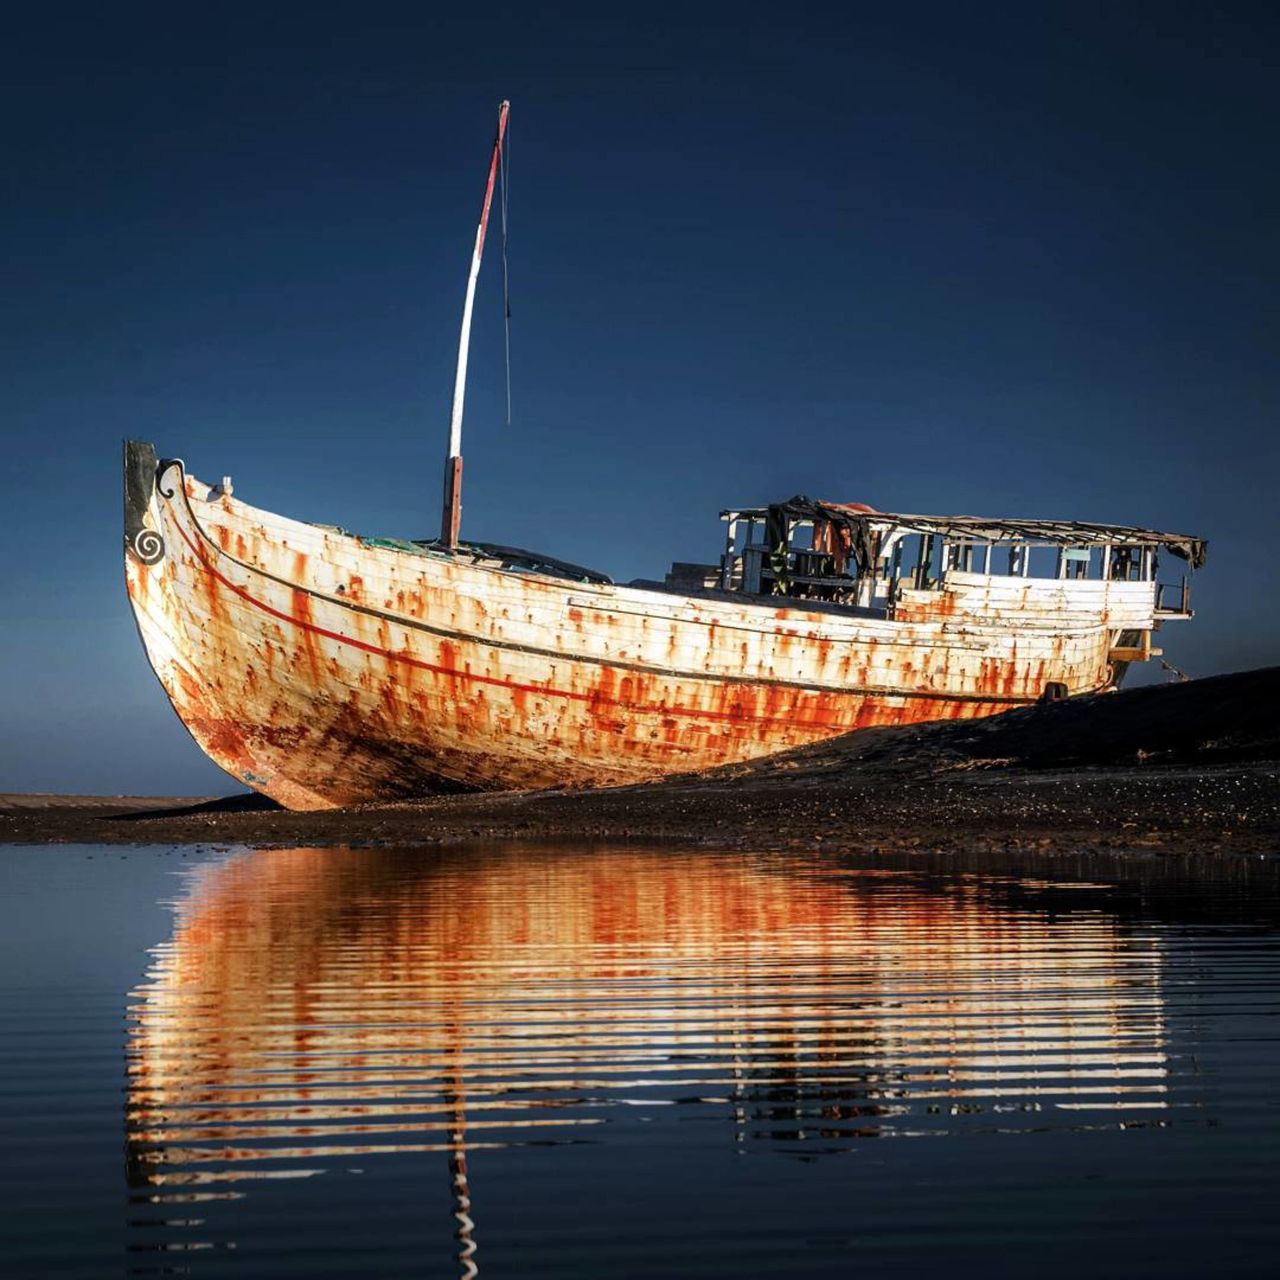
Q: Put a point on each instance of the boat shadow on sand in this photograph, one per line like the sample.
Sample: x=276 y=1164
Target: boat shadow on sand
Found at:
x=250 y=803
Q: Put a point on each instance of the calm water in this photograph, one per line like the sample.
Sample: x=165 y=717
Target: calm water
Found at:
x=518 y=1061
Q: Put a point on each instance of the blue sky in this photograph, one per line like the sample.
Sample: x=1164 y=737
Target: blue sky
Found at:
x=991 y=259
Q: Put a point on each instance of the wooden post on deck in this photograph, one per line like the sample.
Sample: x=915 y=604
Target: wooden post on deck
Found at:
x=451 y=517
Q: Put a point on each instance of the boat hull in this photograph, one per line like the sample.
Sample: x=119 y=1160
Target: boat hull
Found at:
x=325 y=670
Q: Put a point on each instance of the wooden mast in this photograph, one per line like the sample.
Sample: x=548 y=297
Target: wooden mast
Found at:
x=452 y=515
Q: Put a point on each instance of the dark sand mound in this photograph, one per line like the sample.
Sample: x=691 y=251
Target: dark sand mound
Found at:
x=1215 y=720
x=1189 y=767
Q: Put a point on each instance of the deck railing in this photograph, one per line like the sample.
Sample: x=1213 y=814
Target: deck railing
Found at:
x=1173 y=597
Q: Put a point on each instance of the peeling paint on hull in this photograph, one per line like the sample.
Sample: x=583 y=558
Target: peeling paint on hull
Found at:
x=324 y=671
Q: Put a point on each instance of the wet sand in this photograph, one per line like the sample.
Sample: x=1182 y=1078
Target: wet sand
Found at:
x=1189 y=768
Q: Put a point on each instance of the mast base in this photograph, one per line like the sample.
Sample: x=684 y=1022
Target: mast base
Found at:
x=451 y=520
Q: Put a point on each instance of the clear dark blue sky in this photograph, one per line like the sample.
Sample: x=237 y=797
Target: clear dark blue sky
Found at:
x=1009 y=259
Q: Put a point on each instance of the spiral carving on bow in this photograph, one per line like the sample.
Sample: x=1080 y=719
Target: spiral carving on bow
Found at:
x=148 y=546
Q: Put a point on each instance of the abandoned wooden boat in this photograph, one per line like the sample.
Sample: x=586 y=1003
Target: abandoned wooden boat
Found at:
x=324 y=668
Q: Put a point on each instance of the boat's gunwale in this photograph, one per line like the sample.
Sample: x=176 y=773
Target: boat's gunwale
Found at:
x=734 y=603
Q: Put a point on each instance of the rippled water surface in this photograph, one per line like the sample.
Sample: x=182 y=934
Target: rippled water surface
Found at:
x=516 y=1060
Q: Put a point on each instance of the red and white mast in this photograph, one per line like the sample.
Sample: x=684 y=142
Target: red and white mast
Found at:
x=452 y=517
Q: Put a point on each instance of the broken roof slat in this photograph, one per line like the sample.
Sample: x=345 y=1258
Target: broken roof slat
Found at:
x=986 y=528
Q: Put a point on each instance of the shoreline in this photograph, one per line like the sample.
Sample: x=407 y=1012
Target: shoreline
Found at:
x=1178 y=769
x=1230 y=809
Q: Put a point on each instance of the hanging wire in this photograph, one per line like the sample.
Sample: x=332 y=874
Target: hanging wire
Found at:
x=506 y=288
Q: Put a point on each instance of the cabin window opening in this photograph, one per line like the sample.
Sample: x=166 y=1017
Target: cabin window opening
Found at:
x=922 y=575
x=963 y=556
x=1126 y=564
x=904 y=553
x=1042 y=562
x=1073 y=562
x=895 y=566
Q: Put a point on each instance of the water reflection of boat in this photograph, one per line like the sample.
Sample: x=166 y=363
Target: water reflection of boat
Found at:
x=314 y=1005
